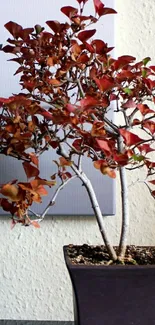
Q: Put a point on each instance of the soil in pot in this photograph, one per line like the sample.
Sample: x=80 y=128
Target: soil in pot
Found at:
x=98 y=255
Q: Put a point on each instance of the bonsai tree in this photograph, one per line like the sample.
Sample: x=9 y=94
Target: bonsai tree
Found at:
x=70 y=81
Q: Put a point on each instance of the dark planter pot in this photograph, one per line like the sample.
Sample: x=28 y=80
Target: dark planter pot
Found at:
x=113 y=295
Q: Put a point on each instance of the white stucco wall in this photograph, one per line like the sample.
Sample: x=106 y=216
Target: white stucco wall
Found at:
x=34 y=283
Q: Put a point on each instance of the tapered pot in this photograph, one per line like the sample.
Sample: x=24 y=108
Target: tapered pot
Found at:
x=112 y=295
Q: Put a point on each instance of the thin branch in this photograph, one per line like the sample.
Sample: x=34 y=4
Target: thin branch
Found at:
x=80 y=88
x=112 y=125
x=52 y=201
x=34 y=213
x=126 y=120
x=92 y=150
x=143 y=141
x=113 y=130
x=80 y=163
x=136 y=167
x=73 y=148
x=11 y=154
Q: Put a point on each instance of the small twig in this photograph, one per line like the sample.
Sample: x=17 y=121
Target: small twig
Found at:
x=133 y=183
x=80 y=87
x=11 y=154
x=136 y=167
x=34 y=213
x=112 y=125
x=143 y=141
x=91 y=149
x=73 y=148
x=126 y=119
x=52 y=201
x=131 y=116
x=147 y=187
x=114 y=130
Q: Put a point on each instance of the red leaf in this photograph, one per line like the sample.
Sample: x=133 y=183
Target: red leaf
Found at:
x=25 y=33
x=108 y=171
x=69 y=175
x=35 y=224
x=69 y=11
x=41 y=190
x=144 y=109
x=5 y=204
x=46 y=114
x=152 y=67
x=150 y=125
x=71 y=108
x=35 y=183
x=121 y=158
x=104 y=168
x=65 y=162
x=101 y=9
x=150 y=83
x=152 y=182
x=54 y=144
x=77 y=144
x=12 y=192
x=27 y=187
x=146 y=148
x=103 y=144
x=130 y=139
x=89 y=48
x=129 y=104
x=100 y=47
x=83 y=58
x=88 y=102
x=153 y=193
x=105 y=83
x=54 y=25
x=150 y=164
x=98 y=163
x=124 y=74
x=46 y=36
x=30 y=170
x=85 y=35
x=11 y=49
x=34 y=159
x=6 y=100
x=13 y=28
x=122 y=61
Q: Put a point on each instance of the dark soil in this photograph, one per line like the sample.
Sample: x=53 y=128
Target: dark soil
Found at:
x=97 y=255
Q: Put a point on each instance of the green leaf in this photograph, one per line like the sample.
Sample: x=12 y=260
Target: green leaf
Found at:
x=144 y=73
x=127 y=90
x=138 y=158
x=38 y=29
x=146 y=60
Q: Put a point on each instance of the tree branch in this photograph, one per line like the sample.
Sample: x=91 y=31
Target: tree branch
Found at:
x=52 y=201
x=125 y=206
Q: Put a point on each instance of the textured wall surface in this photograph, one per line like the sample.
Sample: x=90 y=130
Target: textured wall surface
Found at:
x=34 y=284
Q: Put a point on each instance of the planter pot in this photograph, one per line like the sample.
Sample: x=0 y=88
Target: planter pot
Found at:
x=112 y=295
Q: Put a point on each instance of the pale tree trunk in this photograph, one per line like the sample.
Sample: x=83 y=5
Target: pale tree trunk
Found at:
x=125 y=208
x=97 y=211
x=95 y=205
